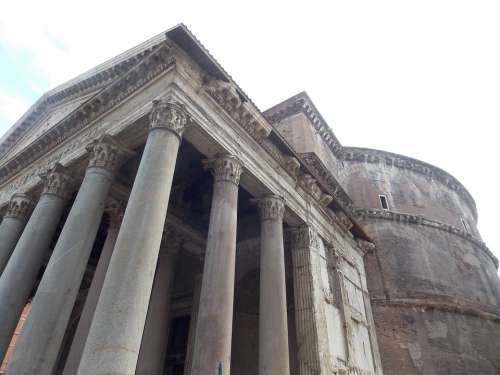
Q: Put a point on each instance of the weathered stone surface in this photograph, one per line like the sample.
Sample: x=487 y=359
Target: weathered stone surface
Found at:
x=429 y=279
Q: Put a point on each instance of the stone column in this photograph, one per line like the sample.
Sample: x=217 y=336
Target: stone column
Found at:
x=114 y=339
x=310 y=322
x=37 y=347
x=273 y=330
x=212 y=349
x=14 y=220
x=115 y=209
x=19 y=276
x=155 y=338
x=195 y=304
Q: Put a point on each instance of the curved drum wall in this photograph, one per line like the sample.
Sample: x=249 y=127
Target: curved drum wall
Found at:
x=434 y=286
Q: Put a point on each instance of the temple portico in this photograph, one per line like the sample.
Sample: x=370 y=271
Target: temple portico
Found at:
x=174 y=231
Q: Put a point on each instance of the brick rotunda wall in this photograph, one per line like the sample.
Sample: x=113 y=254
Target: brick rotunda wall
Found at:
x=433 y=283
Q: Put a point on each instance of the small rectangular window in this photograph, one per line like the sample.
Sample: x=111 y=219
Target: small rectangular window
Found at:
x=383 y=202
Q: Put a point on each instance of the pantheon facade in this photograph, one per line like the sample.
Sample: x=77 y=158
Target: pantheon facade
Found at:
x=156 y=222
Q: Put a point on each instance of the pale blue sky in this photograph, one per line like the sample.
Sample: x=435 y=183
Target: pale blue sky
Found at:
x=417 y=78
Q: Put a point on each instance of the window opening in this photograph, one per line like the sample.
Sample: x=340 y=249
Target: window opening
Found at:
x=383 y=202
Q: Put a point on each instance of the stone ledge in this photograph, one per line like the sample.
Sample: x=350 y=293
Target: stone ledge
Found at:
x=366 y=155
x=445 y=304
x=405 y=218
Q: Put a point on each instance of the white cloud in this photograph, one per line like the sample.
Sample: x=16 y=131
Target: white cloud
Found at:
x=11 y=109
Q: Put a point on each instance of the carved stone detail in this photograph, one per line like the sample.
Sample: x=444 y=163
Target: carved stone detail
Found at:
x=271 y=207
x=129 y=82
x=420 y=220
x=324 y=176
x=226 y=95
x=58 y=181
x=304 y=237
x=365 y=246
x=225 y=167
x=107 y=153
x=169 y=115
x=343 y=220
x=20 y=207
x=292 y=165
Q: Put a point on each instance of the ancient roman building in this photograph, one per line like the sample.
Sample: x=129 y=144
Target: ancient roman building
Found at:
x=156 y=222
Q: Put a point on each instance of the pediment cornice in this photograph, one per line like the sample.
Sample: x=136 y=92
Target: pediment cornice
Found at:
x=129 y=81
x=69 y=92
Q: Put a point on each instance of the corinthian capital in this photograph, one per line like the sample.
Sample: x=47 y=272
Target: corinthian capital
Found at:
x=58 y=181
x=107 y=153
x=304 y=237
x=20 y=207
x=168 y=115
x=271 y=207
x=225 y=168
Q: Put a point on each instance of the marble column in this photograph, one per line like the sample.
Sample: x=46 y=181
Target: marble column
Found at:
x=115 y=335
x=154 y=343
x=195 y=304
x=115 y=210
x=212 y=349
x=37 y=347
x=14 y=220
x=19 y=276
x=273 y=329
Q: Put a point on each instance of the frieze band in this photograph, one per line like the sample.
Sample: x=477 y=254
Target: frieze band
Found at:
x=420 y=220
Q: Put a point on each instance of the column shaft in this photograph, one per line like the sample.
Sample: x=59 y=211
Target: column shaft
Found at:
x=12 y=226
x=37 y=348
x=154 y=343
x=82 y=330
x=195 y=304
x=115 y=335
x=273 y=329
x=212 y=351
x=19 y=277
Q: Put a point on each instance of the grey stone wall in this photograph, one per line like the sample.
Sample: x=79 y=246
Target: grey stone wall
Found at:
x=435 y=293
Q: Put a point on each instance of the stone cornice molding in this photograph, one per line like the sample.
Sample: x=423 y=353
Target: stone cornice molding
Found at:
x=301 y=103
x=364 y=155
x=58 y=181
x=271 y=207
x=128 y=83
x=20 y=207
x=405 y=218
x=168 y=115
x=82 y=87
x=304 y=237
x=321 y=173
x=226 y=95
x=441 y=303
x=107 y=153
x=224 y=167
